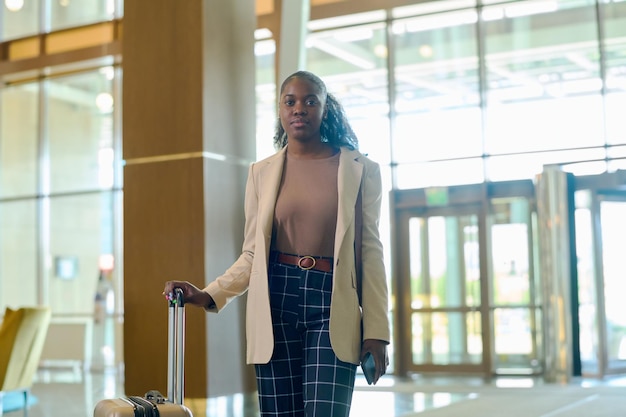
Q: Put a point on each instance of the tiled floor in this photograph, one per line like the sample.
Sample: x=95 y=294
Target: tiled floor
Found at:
x=74 y=394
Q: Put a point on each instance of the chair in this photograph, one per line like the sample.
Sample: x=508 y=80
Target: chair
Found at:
x=22 y=335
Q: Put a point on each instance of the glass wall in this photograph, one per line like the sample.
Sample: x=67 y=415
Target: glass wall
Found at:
x=60 y=166
x=57 y=187
x=59 y=200
x=22 y=18
x=543 y=86
x=450 y=93
x=438 y=136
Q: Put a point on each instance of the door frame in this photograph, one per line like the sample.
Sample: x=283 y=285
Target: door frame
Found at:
x=426 y=213
x=599 y=193
x=451 y=201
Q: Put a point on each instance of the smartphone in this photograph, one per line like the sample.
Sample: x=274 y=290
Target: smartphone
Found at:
x=369 y=368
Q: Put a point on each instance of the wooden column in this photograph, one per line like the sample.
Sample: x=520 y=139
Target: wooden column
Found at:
x=188 y=137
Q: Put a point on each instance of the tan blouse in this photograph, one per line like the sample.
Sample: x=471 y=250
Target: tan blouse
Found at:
x=305 y=216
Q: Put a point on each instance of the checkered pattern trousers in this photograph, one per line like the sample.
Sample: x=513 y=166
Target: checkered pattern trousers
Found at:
x=304 y=378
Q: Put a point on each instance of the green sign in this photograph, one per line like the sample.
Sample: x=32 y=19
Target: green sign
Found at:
x=437 y=196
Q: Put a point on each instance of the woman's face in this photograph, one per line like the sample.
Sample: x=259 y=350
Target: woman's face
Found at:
x=301 y=109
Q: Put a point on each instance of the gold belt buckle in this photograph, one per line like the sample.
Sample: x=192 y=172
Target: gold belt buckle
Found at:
x=304 y=267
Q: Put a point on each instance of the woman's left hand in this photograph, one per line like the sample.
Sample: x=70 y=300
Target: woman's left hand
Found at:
x=378 y=349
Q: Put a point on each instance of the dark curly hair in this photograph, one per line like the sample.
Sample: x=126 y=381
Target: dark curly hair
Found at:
x=335 y=128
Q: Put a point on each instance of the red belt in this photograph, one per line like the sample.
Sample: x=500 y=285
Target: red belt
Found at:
x=317 y=263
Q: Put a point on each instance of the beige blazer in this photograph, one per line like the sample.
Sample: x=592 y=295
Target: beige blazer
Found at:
x=249 y=272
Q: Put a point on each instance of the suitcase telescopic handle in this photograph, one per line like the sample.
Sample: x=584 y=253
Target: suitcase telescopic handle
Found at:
x=176 y=347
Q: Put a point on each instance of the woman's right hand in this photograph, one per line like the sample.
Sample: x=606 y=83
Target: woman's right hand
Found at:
x=191 y=294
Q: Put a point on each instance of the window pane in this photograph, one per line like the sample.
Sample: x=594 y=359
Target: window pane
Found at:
x=510 y=261
x=20 y=18
x=513 y=336
x=543 y=76
x=510 y=167
x=18 y=254
x=352 y=63
x=446 y=338
x=436 y=135
x=80 y=120
x=266 y=101
x=614 y=19
x=437 y=94
x=544 y=124
x=18 y=140
x=66 y=13
x=615 y=105
x=613 y=263
x=432 y=174
x=81 y=232
x=453 y=275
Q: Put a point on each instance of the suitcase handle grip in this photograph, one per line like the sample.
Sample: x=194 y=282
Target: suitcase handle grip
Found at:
x=176 y=298
x=176 y=348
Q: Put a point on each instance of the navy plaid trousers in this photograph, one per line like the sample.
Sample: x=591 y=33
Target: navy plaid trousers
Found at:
x=304 y=378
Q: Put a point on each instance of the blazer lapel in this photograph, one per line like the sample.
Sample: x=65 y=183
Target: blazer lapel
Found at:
x=348 y=183
x=269 y=178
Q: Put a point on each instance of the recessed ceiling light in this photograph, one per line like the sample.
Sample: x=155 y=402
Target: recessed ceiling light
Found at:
x=14 y=5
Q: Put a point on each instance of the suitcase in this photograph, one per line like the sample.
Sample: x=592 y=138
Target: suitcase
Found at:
x=152 y=403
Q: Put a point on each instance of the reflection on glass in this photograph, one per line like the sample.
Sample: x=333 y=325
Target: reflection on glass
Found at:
x=18 y=252
x=372 y=404
x=19 y=127
x=80 y=120
x=427 y=401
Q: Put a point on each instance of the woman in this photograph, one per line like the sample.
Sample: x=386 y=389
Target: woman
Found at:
x=303 y=318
